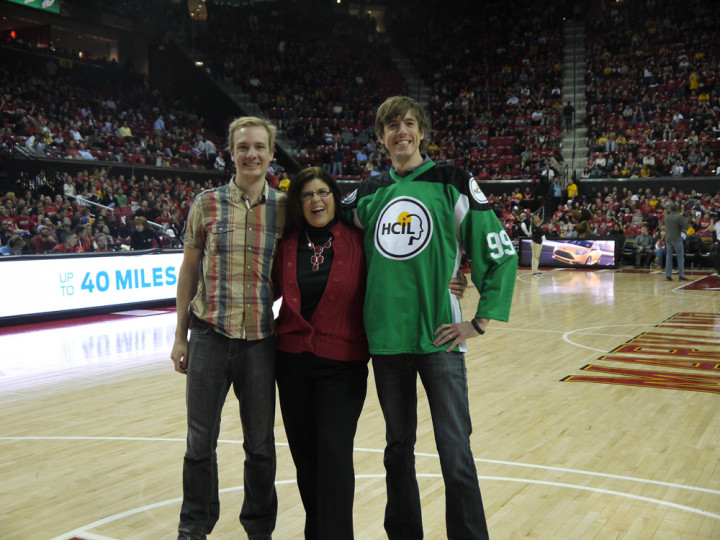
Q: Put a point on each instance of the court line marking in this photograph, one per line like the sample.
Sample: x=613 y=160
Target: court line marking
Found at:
x=127 y=513
x=588 y=329
x=140 y=509
x=380 y=451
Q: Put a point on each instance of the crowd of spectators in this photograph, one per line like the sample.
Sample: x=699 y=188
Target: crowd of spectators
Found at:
x=633 y=217
x=320 y=75
x=652 y=103
x=316 y=73
x=57 y=113
x=495 y=89
x=495 y=73
x=614 y=211
x=97 y=212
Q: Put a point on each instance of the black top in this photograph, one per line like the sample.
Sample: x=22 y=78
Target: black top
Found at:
x=312 y=282
x=537 y=234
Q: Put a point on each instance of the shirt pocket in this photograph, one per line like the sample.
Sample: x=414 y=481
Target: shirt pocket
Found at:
x=220 y=238
x=271 y=238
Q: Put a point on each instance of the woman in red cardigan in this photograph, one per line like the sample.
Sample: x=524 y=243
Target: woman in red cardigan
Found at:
x=319 y=270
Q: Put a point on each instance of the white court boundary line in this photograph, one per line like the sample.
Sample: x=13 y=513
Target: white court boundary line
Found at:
x=566 y=335
x=83 y=529
x=377 y=451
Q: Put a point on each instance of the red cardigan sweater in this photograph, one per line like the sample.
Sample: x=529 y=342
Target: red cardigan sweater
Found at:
x=335 y=330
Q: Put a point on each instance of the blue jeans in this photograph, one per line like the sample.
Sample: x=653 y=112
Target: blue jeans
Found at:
x=215 y=362
x=445 y=380
x=679 y=250
x=660 y=254
x=337 y=168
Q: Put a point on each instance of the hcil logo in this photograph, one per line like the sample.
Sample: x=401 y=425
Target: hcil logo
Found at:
x=403 y=229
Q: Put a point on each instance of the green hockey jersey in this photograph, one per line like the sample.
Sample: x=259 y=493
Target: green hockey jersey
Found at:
x=416 y=228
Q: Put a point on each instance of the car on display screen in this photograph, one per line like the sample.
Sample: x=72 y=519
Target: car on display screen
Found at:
x=577 y=252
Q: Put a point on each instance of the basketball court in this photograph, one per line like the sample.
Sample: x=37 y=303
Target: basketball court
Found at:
x=595 y=413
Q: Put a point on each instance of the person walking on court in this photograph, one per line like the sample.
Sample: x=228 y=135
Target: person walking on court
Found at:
x=224 y=296
x=675 y=226
x=418 y=218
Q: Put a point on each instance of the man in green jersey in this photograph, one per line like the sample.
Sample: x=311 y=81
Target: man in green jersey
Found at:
x=418 y=219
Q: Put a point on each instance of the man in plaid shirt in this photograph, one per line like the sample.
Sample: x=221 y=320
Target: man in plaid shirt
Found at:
x=224 y=298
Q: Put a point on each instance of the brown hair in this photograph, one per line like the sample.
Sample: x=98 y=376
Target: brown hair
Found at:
x=583 y=229
x=398 y=107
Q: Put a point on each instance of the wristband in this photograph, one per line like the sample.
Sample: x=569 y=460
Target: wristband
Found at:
x=476 y=326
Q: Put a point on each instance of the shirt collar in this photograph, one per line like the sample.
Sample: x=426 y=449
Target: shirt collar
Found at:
x=238 y=196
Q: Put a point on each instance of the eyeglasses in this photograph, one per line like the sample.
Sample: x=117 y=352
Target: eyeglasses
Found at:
x=308 y=195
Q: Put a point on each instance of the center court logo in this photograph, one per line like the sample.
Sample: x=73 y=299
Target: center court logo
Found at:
x=403 y=229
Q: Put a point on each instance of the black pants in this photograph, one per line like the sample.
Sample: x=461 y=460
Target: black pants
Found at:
x=321 y=401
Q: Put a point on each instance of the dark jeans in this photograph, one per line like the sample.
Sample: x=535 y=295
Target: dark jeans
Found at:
x=643 y=256
x=445 y=380
x=216 y=362
x=321 y=401
x=679 y=250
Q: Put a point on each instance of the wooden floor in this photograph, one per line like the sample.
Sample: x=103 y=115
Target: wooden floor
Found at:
x=595 y=410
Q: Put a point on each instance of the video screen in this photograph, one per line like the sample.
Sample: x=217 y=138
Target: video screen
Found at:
x=572 y=253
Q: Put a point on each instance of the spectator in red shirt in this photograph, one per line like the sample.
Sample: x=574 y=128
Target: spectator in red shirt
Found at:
x=24 y=220
x=44 y=241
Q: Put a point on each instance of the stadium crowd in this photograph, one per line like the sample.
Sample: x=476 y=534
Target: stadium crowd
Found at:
x=495 y=93
x=56 y=114
x=494 y=97
x=132 y=213
x=652 y=102
x=145 y=213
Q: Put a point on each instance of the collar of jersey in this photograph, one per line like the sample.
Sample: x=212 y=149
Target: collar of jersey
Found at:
x=413 y=174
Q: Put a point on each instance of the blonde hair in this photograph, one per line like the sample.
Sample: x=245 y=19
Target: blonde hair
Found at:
x=251 y=121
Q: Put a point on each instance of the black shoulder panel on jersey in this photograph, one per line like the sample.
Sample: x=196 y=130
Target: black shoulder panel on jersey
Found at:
x=461 y=180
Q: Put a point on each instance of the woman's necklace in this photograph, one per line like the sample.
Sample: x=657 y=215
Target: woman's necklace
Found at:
x=317 y=257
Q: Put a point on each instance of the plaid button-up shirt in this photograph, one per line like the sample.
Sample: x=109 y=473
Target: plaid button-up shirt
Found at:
x=238 y=238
